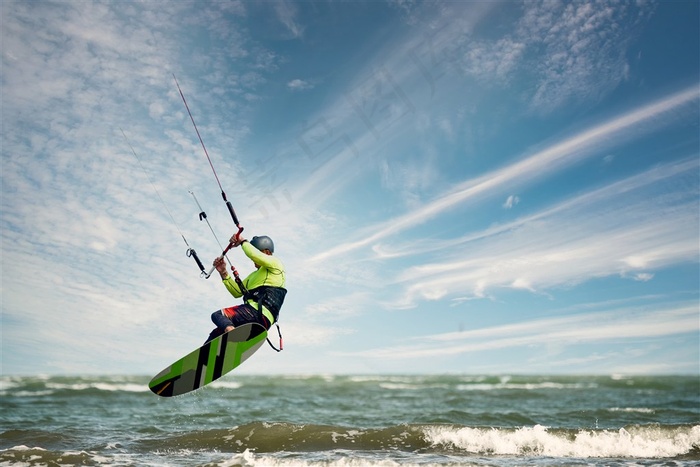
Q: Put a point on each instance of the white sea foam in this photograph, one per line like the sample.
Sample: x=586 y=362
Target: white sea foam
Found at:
x=226 y=384
x=30 y=393
x=250 y=459
x=642 y=442
x=126 y=387
x=6 y=384
x=400 y=386
x=631 y=409
x=23 y=447
x=523 y=386
x=382 y=378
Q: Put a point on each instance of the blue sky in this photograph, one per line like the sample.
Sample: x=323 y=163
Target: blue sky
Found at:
x=463 y=187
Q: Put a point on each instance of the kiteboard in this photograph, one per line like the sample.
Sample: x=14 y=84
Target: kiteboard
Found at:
x=209 y=362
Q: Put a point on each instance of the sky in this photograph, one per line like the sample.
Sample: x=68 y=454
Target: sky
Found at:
x=453 y=187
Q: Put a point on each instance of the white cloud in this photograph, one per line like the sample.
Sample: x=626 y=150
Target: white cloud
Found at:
x=584 y=48
x=299 y=85
x=604 y=232
x=511 y=202
x=493 y=61
x=410 y=179
x=287 y=14
x=614 y=325
x=569 y=52
x=542 y=163
x=339 y=307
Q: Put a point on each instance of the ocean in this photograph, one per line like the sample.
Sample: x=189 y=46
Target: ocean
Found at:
x=353 y=421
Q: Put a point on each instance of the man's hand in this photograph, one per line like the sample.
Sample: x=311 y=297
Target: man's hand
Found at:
x=220 y=266
x=237 y=239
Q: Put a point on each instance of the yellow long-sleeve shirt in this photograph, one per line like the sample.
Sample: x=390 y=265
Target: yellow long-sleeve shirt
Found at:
x=269 y=273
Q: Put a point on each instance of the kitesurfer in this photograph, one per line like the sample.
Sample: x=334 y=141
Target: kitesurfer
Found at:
x=264 y=292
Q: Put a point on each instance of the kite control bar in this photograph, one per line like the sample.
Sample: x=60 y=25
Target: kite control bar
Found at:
x=222 y=255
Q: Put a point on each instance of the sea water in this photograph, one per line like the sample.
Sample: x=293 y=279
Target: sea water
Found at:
x=349 y=421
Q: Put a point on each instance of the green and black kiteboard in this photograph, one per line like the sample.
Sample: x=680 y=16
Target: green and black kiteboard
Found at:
x=209 y=362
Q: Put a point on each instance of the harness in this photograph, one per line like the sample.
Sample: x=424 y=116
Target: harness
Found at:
x=271 y=299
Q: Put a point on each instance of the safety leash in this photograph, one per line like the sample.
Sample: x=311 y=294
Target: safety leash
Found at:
x=281 y=342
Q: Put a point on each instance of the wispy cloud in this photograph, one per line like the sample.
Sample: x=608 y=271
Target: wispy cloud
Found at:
x=287 y=15
x=581 y=50
x=340 y=307
x=381 y=102
x=538 y=165
x=557 y=247
x=616 y=325
x=299 y=85
x=409 y=178
x=586 y=202
x=511 y=202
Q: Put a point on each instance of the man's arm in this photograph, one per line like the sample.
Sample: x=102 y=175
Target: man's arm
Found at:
x=228 y=281
x=232 y=287
x=260 y=258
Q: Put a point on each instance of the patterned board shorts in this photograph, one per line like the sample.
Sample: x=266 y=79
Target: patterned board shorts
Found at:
x=245 y=313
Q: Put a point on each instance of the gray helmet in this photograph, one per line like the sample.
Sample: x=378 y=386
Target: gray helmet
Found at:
x=263 y=243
